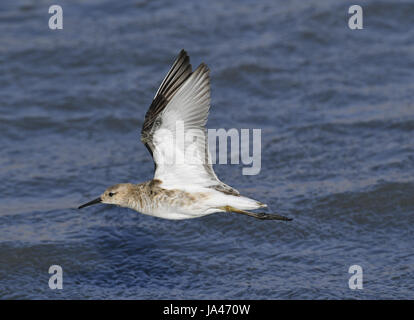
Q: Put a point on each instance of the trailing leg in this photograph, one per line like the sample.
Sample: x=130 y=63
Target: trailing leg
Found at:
x=259 y=215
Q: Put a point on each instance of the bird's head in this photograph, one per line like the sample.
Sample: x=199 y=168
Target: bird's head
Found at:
x=117 y=194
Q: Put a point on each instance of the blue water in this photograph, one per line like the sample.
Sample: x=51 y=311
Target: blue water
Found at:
x=336 y=111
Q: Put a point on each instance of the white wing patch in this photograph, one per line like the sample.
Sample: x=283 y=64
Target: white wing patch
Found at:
x=174 y=129
x=181 y=149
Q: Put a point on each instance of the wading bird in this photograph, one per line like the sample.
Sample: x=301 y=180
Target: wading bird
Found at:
x=181 y=189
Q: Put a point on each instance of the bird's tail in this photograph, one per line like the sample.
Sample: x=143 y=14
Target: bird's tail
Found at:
x=244 y=203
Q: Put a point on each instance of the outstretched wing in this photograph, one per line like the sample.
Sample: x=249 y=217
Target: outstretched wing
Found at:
x=179 y=72
x=174 y=129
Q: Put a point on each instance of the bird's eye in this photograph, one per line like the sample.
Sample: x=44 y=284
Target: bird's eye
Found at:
x=111 y=194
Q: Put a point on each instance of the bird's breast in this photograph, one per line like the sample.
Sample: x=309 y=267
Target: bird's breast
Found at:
x=170 y=203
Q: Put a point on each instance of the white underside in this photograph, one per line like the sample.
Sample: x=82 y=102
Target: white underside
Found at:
x=205 y=206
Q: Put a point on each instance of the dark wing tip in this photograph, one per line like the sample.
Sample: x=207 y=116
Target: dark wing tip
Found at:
x=182 y=53
x=203 y=67
x=179 y=72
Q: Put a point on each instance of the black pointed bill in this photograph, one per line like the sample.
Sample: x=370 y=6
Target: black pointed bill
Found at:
x=95 y=201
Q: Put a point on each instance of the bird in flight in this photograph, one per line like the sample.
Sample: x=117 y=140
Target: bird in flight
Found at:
x=184 y=184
